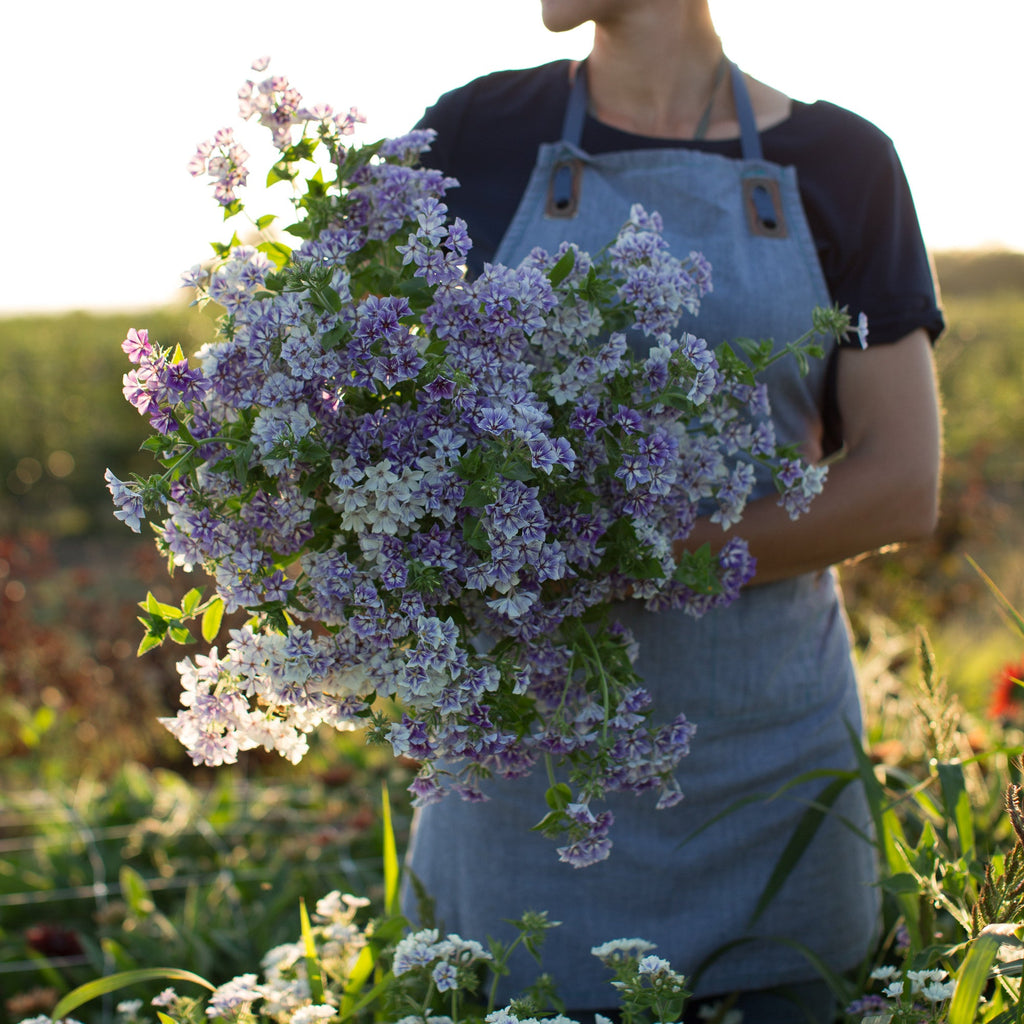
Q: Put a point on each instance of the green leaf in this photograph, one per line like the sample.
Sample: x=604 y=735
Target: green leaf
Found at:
x=157 y=608
x=972 y=978
x=901 y=883
x=190 y=602
x=957 y=804
x=561 y=270
x=475 y=535
x=148 y=642
x=698 y=570
x=276 y=252
x=265 y=221
x=279 y=172
x=164 y=1018
x=558 y=796
x=316 y=981
x=179 y=634
x=113 y=983
x=334 y=337
x=212 y=619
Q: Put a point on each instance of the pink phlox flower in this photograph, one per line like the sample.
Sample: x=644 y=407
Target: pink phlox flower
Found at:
x=136 y=345
x=261 y=63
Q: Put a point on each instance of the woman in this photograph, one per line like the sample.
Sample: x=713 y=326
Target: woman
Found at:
x=795 y=205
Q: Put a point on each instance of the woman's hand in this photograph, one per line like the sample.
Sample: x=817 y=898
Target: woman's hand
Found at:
x=883 y=490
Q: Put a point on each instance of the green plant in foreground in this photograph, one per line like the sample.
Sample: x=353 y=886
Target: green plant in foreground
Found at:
x=344 y=968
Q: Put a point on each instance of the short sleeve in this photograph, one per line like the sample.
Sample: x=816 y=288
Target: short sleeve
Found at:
x=862 y=216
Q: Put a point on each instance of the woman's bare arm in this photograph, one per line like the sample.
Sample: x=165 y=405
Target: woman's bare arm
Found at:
x=882 y=491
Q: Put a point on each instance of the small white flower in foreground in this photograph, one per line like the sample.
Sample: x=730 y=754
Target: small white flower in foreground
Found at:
x=885 y=973
x=621 y=949
x=312 y=1014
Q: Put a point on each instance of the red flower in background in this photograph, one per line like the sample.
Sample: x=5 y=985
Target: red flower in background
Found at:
x=1008 y=693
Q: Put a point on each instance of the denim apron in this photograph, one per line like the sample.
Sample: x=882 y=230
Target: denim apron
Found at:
x=769 y=680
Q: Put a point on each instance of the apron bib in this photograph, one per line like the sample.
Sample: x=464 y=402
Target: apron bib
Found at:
x=769 y=680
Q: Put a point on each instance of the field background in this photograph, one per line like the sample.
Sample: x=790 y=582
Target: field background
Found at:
x=95 y=795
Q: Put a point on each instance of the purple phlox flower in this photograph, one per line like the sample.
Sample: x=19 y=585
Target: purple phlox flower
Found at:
x=733 y=494
x=412 y=144
x=426 y=789
x=593 y=844
x=457 y=240
x=277 y=433
x=185 y=384
x=447 y=443
x=585 y=418
x=431 y=214
x=379 y=318
x=633 y=470
x=197 y=276
x=628 y=712
x=628 y=419
x=609 y=357
x=656 y=367
x=802 y=484
x=867 y=1006
x=515 y=603
x=548 y=452
x=493 y=421
x=445 y=976
x=639 y=218
x=128 y=499
x=410 y=738
x=440 y=388
x=762 y=439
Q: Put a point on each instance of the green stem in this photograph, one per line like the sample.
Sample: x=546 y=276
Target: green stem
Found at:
x=500 y=963
x=605 y=692
x=552 y=781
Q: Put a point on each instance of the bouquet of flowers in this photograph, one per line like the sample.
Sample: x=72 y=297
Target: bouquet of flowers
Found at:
x=429 y=492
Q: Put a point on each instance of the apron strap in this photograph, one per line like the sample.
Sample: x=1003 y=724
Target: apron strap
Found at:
x=750 y=137
x=576 y=108
x=576 y=112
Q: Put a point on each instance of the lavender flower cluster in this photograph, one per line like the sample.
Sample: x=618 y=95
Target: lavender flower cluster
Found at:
x=433 y=490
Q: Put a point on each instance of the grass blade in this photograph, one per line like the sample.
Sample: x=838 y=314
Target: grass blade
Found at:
x=316 y=981
x=805 y=831
x=972 y=978
x=114 y=982
x=1004 y=602
x=390 y=853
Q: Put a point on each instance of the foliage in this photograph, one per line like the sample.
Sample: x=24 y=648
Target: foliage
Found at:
x=146 y=869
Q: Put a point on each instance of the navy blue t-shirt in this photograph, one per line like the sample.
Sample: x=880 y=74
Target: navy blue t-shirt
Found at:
x=854 y=192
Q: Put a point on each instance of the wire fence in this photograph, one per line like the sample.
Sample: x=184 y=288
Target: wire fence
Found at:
x=107 y=870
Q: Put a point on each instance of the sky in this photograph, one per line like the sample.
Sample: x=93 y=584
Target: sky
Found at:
x=107 y=101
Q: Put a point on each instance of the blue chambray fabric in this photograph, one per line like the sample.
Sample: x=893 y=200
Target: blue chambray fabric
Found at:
x=769 y=681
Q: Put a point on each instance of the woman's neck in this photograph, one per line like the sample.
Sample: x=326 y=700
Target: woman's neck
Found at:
x=652 y=69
